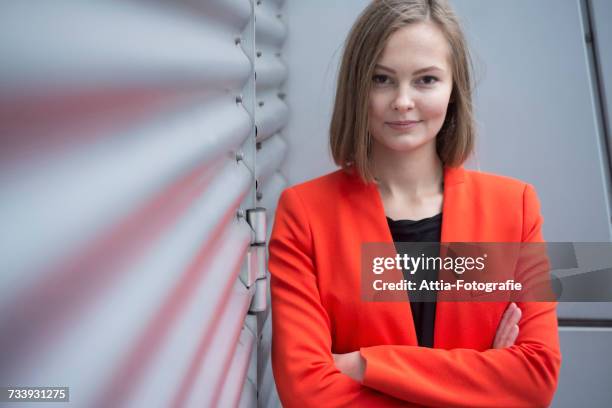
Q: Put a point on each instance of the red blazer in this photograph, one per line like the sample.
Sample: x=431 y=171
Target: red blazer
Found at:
x=317 y=308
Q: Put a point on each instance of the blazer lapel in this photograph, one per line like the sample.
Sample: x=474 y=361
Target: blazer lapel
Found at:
x=455 y=208
x=458 y=225
x=384 y=322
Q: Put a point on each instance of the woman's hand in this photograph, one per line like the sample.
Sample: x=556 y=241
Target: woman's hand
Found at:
x=508 y=329
x=351 y=364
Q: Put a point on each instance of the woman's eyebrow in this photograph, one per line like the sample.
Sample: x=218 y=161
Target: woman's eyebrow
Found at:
x=418 y=71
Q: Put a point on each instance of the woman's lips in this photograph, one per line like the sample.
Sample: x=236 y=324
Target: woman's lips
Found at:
x=403 y=125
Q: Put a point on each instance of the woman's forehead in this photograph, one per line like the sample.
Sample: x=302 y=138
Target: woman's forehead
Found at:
x=414 y=47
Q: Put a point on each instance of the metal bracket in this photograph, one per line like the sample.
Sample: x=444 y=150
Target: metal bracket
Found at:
x=259 y=303
x=256 y=217
x=255 y=267
x=256 y=259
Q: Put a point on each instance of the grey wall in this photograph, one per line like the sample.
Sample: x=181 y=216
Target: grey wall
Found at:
x=535 y=108
x=313 y=49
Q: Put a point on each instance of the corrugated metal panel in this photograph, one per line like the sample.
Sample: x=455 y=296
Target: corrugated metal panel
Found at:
x=248 y=399
x=128 y=147
x=271 y=72
x=270 y=192
x=270 y=157
x=268 y=396
x=271 y=30
x=214 y=366
x=234 y=381
x=82 y=192
x=271 y=117
x=119 y=43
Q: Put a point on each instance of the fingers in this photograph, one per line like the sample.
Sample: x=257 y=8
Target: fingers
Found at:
x=511 y=329
x=504 y=324
x=512 y=335
x=508 y=329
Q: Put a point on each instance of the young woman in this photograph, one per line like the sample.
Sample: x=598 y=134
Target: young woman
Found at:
x=401 y=128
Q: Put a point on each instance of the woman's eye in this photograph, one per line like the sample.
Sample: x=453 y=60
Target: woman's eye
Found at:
x=428 y=80
x=380 y=79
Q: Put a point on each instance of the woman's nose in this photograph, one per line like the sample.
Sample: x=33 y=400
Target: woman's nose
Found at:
x=403 y=101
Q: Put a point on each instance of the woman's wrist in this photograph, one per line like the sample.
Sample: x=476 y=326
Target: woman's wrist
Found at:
x=351 y=364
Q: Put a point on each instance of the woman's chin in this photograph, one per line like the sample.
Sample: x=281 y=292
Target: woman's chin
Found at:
x=406 y=144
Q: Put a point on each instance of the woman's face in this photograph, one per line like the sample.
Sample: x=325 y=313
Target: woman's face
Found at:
x=410 y=89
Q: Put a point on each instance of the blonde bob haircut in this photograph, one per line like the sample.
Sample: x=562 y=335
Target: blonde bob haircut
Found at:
x=350 y=140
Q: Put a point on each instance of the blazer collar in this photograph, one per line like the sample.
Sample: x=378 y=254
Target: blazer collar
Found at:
x=366 y=204
x=453 y=175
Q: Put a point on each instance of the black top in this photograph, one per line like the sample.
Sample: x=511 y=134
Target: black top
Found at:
x=425 y=230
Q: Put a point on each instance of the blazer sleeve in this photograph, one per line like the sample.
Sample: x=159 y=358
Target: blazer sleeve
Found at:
x=523 y=375
x=302 y=362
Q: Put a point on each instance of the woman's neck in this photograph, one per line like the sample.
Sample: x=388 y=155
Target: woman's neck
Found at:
x=411 y=175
